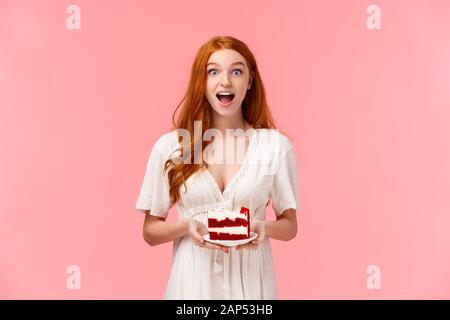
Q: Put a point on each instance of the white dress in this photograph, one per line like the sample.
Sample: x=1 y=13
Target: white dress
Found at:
x=268 y=171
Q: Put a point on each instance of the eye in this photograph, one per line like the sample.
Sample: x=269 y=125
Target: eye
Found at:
x=240 y=71
x=209 y=71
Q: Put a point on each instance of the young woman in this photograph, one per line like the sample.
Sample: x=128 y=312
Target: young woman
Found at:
x=225 y=93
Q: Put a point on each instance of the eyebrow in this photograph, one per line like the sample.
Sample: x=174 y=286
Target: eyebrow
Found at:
x=239 y=62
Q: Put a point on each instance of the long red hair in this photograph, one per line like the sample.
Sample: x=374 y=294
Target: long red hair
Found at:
x=195 y=107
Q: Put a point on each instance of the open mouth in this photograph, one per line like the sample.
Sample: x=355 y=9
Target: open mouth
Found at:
x=225 y=98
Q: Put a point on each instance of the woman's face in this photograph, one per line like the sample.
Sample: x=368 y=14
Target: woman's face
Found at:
x=227 y=73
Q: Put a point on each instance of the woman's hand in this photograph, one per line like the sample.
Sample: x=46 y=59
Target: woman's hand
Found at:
x=258 y=226
x=196 y=232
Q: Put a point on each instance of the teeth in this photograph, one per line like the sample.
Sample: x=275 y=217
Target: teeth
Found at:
x=225 y=93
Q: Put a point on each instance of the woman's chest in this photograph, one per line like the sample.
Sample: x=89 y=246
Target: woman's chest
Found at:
x=251 y=189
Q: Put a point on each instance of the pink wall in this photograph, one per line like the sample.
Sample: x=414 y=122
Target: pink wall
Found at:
x=368 y=112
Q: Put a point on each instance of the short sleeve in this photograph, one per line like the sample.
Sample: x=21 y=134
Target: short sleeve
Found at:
x=284 y=192
x=154 y=194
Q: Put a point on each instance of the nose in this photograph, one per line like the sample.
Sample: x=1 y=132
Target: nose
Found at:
x=225 y=80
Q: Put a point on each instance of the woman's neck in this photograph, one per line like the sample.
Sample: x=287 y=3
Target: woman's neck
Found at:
x=223 y=123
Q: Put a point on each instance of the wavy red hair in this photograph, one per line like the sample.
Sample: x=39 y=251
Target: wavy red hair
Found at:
x=195 y=107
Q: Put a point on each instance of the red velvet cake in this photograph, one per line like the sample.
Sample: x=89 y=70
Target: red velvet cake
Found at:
x=226 y=224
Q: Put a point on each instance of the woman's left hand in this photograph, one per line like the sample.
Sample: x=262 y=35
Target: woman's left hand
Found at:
x=258 y=226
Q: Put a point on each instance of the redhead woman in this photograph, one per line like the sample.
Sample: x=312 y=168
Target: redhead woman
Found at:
x=190 y=167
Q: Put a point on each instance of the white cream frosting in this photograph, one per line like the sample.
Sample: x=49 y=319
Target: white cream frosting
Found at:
x=223 y=213
x=230 y=230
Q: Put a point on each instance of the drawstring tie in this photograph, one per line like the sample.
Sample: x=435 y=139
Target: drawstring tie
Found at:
x=217 y=267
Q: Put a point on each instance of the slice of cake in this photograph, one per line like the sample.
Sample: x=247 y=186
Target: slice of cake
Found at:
x=228 y=224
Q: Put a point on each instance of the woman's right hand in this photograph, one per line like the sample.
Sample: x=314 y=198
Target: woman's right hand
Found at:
x=196 y=232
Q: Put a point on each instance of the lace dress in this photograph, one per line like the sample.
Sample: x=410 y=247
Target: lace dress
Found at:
x=268 y=173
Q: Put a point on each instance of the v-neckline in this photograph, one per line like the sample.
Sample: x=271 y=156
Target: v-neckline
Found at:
x=228 y=189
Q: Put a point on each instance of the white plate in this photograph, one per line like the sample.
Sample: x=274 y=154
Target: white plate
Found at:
x=231 y=243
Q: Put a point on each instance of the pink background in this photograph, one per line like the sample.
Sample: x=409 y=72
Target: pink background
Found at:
x=367 y=111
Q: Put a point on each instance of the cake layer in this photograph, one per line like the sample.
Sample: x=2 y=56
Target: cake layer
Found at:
x=230 y=230
x=227 y=222
x=226 y=236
